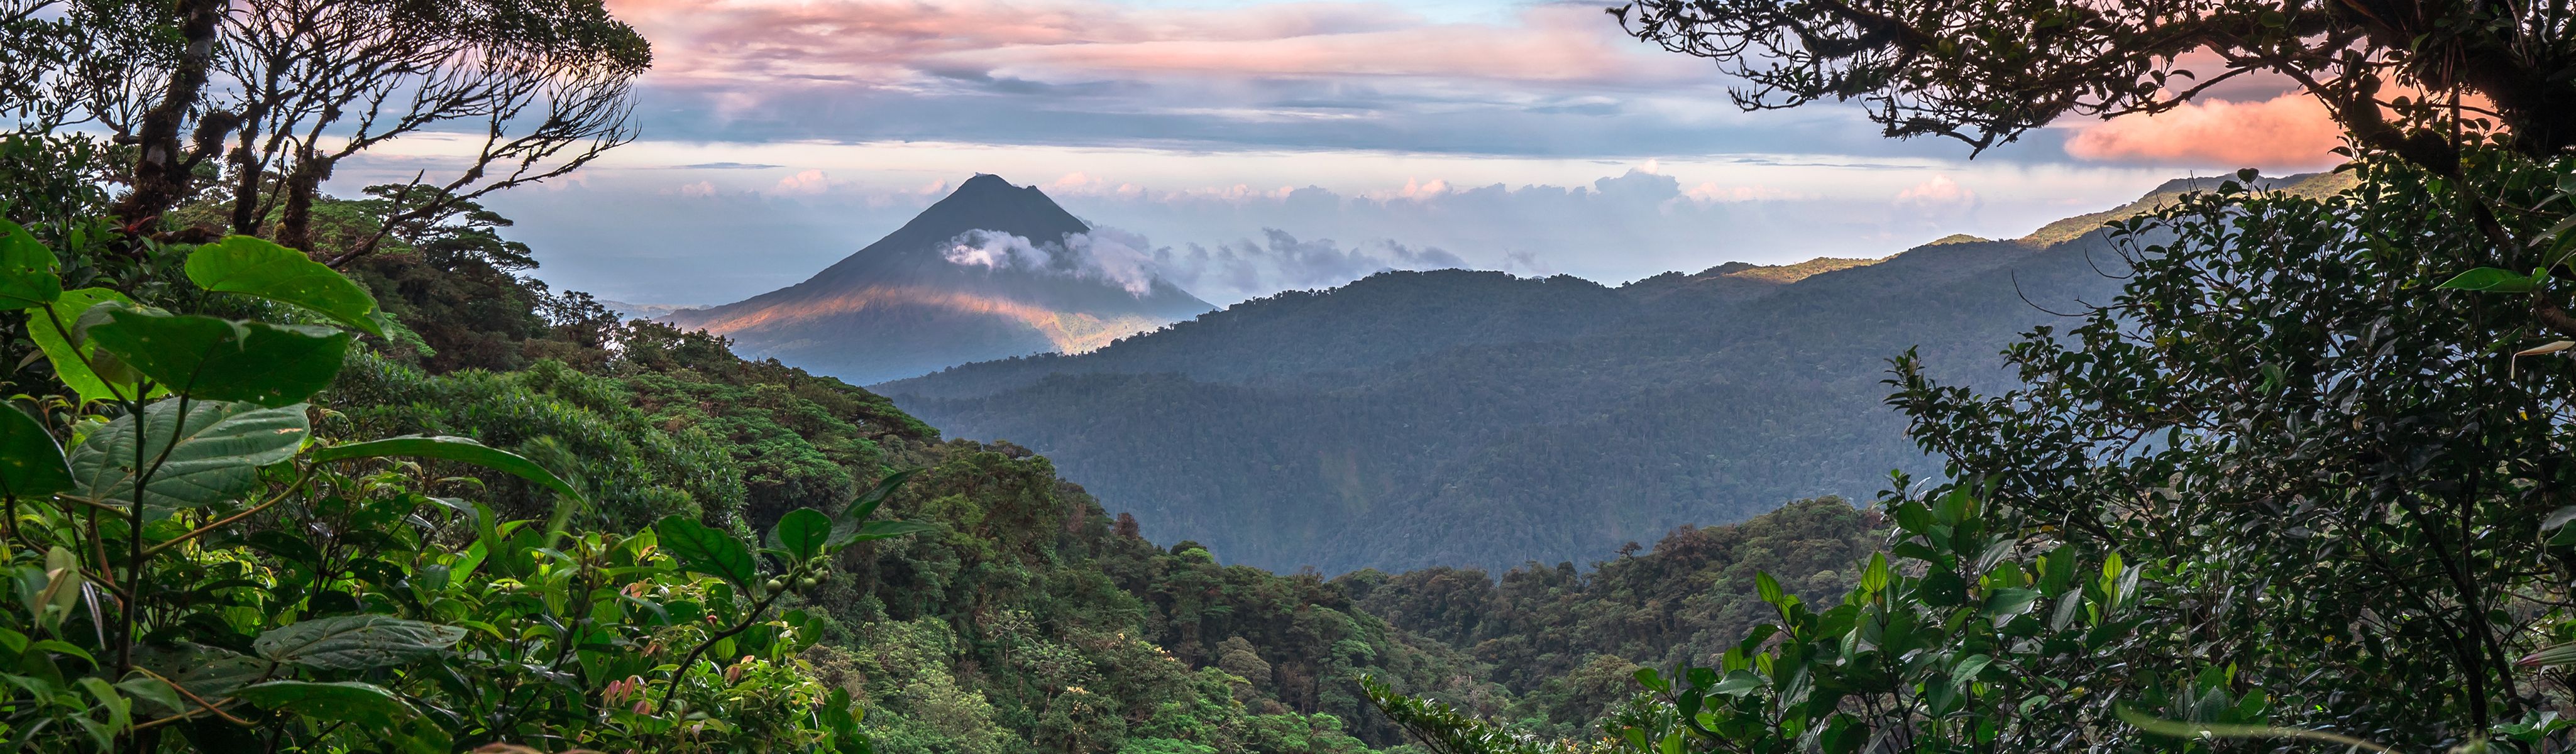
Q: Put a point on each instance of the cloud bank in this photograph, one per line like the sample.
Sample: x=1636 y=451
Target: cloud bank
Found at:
x=1525 y=78
x=1245 y=269
x=725 y=235
x=1105 y=254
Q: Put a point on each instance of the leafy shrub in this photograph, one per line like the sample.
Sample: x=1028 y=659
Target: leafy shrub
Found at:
x=195 y=570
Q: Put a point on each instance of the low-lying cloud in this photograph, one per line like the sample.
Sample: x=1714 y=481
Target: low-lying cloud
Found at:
x=1280 y=261
x=1228 y=271
x=1105 y=254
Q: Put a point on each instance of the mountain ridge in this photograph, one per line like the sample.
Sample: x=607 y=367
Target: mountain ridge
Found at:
x=1277 y=435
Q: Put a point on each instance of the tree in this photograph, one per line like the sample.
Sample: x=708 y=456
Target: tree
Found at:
x=2425 y=82
x=278 y=92
x=1985 y=73
x=2288 y=482
x=544 y=86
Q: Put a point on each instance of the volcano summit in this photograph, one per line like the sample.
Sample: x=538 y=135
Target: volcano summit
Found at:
x=992 y=271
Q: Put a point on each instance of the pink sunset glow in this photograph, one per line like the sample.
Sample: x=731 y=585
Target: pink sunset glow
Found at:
x=872 y=43
x=2289 y=130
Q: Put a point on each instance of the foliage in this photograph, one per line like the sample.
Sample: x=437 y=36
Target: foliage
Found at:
x=2285 y=482
x=1446 y=731
x=259 y=101
x=1565 y=642
x=2292 y=482
x=1986 y=73
x=198 y=572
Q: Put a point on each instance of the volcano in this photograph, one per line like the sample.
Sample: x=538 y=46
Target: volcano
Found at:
x=991 y=271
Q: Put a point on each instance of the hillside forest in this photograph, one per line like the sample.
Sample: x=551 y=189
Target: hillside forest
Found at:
x=285 y=470
x=1483 y=401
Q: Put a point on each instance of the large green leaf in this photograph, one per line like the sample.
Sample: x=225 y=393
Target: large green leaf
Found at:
x=802 y=532
x=2192 y=730
x=31 y=464
x=867 y=504
x=216 y=359
x=54 y=328
x=2563 y=654
x=212 y=457
x=463 y=449
x=27 y=276
x=355 y=642
x=2490 y=280
x=254 y=267
x=345 y=701
x=208 y=672
x=706 y=550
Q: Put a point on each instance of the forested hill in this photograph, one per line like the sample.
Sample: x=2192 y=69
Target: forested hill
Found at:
x=1511 y=419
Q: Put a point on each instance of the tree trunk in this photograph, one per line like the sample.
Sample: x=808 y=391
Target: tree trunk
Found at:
x=161 y=175
x=295 y=221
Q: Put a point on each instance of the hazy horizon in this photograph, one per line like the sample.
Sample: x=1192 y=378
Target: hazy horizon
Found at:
x=1529 y=137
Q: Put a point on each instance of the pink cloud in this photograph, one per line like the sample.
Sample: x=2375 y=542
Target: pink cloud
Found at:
x=2290 y=130
x=916 y=44
x=1939 y=191
x=805 y=182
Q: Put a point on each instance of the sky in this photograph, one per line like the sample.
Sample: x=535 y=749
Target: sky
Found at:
x=1259 y=146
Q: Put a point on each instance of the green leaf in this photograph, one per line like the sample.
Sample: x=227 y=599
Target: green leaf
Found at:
x=1875 y=577
x=213 y=456
x=845 y=533
x=254 y=267
x=867 y=504
x=223 y=360
x=208 y=672
x=27 y=276
x=2490 y=280
x=1737 y=683
x=355 y=642
x=803 y=532
x=54 y=328
x=463 y=449
x=149 y=689
x=2558 y=518
x=2563 y=654
x=1650 y=679
x=31 y=464
x=1768 y=588
x=2152 y=724
x=2004 y=604
x=61 y=590
x=1970 y=666
x=706 y=550
x=345 y=701
x=1941 y=588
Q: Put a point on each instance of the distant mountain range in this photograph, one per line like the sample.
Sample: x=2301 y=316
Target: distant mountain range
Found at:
x=1475 y=418
x=991 y=271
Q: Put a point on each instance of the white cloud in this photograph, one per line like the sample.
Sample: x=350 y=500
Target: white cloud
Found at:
x=1238 y=270
x=1105 y=254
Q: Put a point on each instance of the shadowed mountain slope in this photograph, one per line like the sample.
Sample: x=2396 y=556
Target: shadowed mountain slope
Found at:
x=1473 y=418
